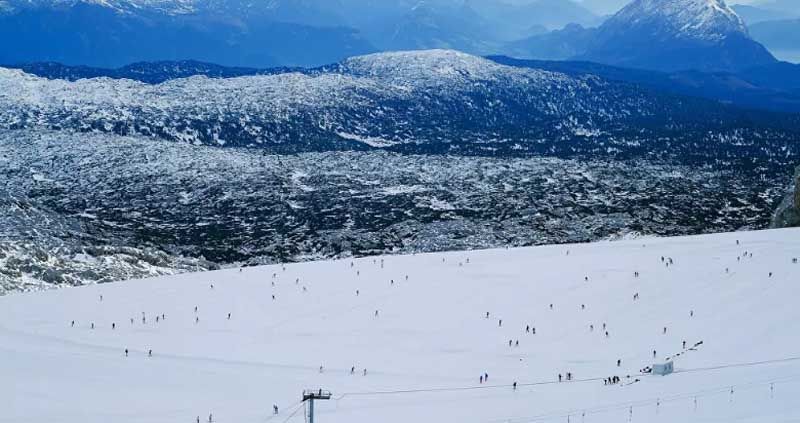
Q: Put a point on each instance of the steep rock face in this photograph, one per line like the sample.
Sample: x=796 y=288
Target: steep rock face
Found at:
x=676 y=35
x=788 y=213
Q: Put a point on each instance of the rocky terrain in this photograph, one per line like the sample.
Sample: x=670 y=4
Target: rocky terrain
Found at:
x=80 y=208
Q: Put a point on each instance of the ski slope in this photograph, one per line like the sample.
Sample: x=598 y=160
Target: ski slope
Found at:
x=430 y=342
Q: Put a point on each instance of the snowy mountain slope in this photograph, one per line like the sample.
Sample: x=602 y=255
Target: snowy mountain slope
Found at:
x=426 y=101
x=424 y=351
x=677 y=35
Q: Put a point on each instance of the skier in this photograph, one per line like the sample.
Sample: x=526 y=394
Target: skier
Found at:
x=273 y=297
x=229 y=316
x=606 y=334
x=210 y=418
x=113 y=326
x=533 y=330
x=126 y=352
x=353 y=370
x=131 y=320
x=150 y=353
x=92 y=325
x=515 y=385
x=376 y=313
x=144 y=320
x=654 y=353
x=528 y=329
x=691 y=313
x=551 y=306
x=509 y=342
x=73 y=323
x=619 y=363
x=487 y=314
x=591 y=328
x=486 y=377
x=365 y=372
x=321 y=369
x=358 y=293
x=517 y=343
x=770 y=274
x=195 y=309
x=559 y=377
x=101 y=298
x=569 y=376
x=665 y=330
x=500 y=323
x=198 y=419
x=275 y=409
x=684 y=344
x=196 y=320
x=481 y=379
x=583 y=306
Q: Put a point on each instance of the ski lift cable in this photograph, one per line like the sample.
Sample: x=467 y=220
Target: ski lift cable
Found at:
x=551 y=382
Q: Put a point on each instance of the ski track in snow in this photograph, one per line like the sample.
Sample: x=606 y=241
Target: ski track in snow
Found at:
x=430 y=342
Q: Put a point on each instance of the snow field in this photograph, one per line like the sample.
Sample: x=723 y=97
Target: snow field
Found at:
x=430 y=342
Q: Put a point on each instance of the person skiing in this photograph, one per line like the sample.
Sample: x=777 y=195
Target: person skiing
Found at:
x=150 y=353
x=196 y=320
x=229 y=316
x=92 y=325
x=113 y=326
x=275 y=409
x=516 y=343
x=126 y=352
x=509 y=342
x=665 y=330
x=654 y=353
x=515 y=385
x=533 y=330
x=481 y=379
x=500 y=323
x=684 y=344
x=353 y=370
x=528 y=329
x=619 y=363
x=365 y=372
x=486 y=377
x=73 y=323
x=591 y=328
x=559 y=377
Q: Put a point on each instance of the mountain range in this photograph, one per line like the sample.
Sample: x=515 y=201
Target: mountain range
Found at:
x=665 y=35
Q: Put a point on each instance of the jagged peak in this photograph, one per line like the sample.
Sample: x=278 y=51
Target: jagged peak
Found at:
x=701 y=19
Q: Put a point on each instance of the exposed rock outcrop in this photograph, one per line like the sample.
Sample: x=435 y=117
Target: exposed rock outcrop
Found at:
x=788 y=213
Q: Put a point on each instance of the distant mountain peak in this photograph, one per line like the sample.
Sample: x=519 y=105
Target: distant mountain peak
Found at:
x=708 y=20
x=677 y=35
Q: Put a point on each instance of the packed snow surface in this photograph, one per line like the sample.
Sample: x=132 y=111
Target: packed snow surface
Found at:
x=430 y=341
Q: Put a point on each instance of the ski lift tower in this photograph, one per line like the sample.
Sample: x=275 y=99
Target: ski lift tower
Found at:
x=310 y=395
